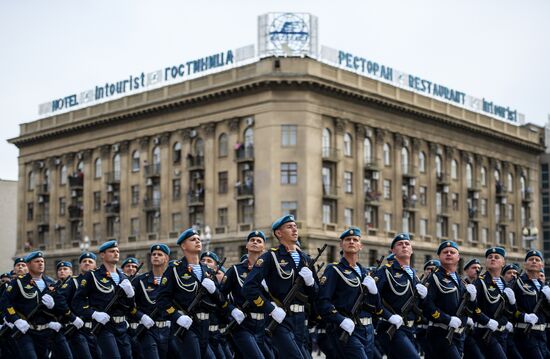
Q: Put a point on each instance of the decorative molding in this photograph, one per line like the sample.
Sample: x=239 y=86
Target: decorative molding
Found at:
x=433 y=148
x=209 y=129
x=360 y=130
x=415 y=143
x=68 y=158
x=105 y=151
x=340 y=124
x=124 y=146
x=144 y=143
x=165 y=138
x=449 y=151
x=478 y=159
x=399 y=140
x=87 y=155
x=379 y=134
x=233 y=124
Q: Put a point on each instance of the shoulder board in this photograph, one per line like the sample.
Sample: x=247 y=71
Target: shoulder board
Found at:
x=481 y=277
x=388 y=265
x=436 y=270
x=20 y=276
x=335 y=263
x=274 y=249
x=176 y=263
x=75 y=276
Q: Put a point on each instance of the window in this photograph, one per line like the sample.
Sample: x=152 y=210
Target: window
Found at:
x=62 y=206
x=113 y=227
x=484 y=235
x=405 y=160
x=510 y=212
x=97 y=168
x=438 y=166
x=405 y=222
x=246 y=212
x=176 y=152
x=135 y=195
x=80 y=166
x=423 y=227
x=483 y=208
x=30 y=211
x=97 y=233
x=422 y=162
x=153 y=222
x=387 y=222
x=455 y=232
x=176 y=188
x=348 y=184
x=222 y=217
x=289 y=172
x=249 y=137
x=455 y=202
x=176 y=222
x=63 y=175
x=454 y=169
x=367 y=151
x=223 y=145
x=387 y=155
x=327 y=213
x=288 y=135
x=512 y=239
x=510 y=184
x=497 y=212
x=423 y=190
x=348 y=217
x=156 y=156
x=387 y=189
x=97 y=201
x=222 y=182
x=116 y=167
x=134 y=227
x=371 y=217
x=544 y=175
x=469 y=176
x=30 y=182
x=326 y=142
x=290 y=208
x=483 y=176
x=347 y=145
x=135 y=161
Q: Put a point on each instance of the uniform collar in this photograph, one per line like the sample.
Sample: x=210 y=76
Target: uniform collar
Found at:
x=345 y=263
x=186 y=266
x=282 y=250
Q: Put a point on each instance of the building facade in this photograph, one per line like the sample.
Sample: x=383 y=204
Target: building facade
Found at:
x=8 y=223
x=231 y=151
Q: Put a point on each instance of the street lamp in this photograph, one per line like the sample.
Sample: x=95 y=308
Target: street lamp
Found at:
x=529 y=236
x=85 y=244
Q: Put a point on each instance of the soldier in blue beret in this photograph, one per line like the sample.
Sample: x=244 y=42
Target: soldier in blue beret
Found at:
x=397 y=283
x=248 y=335
x=64 y=270
x=279 y=268
x=341 y=284
x=20 y=266
x=528 y=289
x=21 y=298
x=179 y=287
x=472 y=270
x=129 y=266
x=421 y=328
x=154 y=341
x=96 y=289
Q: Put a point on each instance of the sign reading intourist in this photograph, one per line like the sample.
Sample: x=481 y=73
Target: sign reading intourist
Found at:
x=281 y=34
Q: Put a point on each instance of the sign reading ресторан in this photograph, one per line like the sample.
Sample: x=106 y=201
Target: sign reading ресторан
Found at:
x=373 y=69
x=144 y=80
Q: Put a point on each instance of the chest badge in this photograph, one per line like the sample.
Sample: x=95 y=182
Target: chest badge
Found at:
x=446 y=281
x=28 y=286
x=186 y=276
x=104 y=280
x=283 y=263
x=347 y=271
x=244 y=275
x=323 y=280
x=398 y=275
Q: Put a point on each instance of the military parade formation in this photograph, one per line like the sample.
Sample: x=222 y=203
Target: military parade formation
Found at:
x=276 y=303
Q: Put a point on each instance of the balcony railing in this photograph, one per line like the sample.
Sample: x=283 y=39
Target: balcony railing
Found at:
x=527 y=196
x=372 y=164
x=409 y=203
x=75 y=212
x=245 y=190
x=372 y=197
x=442 y=178
x=112 y=207
x=408 y=170
x=112 y=177
x=152 y=170
x=474 y=186
x=330 y=154
x=500 y=189
x=76 y=182
x=330 y=191
x=152 y=204
x=442 y=209
x=195 y=162
x=195 y=198
x=42 y=189
x=244 y=153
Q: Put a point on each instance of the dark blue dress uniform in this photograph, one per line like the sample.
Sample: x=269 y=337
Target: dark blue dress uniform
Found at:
x=396 y=286
x=21 y=297
x=249 y=337
x=527 y=295
x=340 y=287
x=278 y=269
x=179 y=286
x=96 y=289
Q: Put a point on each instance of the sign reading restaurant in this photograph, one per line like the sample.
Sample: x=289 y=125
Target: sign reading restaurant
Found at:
x=281 y=34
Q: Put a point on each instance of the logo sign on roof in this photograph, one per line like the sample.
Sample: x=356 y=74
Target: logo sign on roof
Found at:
x=287 y=34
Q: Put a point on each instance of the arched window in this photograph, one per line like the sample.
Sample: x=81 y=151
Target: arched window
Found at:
x=176 y=153
x=367 y=151
x=326 y=142
x=497 y=175
x=116 y=167
x=97 y=168
x=156 y=155
x=248 y=137
x=222 y=145
x=47 y=177
x=80 y=166
x=469 y=176
x=199 y=147
x=421 y=162
x=63 y=175
x=522 y=185
x=454 y=169
x=387 y=155
x=135 y=161
x=510 y=184
x=347 y=145
x=483 y=176
x=30 y=181
x=438 y=166
x=405 y=160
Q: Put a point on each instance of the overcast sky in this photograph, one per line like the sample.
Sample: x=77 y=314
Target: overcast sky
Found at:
x=498 y=49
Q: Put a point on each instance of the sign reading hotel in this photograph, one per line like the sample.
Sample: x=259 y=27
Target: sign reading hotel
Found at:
x=281 y=34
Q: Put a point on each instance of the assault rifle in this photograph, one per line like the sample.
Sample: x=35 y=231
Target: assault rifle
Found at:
x=539 y=304
x=462 y=308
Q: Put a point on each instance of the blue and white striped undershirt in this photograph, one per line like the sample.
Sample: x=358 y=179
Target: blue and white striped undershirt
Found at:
x=158 y=279
x=500 y=284
x=357 y=270
x=455 y=277
x=296 y=256
x=536 y=283
x=409 y=271
x=115 y=277
x=197 y=270
x=40 y=283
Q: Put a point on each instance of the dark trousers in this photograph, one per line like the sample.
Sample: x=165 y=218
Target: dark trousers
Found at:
x=359 y=345
x=154 y=343
x=60 y=347
x=114 y=342
x=288 y=338
x=495 y=347
x=79 y=346
x=532 y=346
x=401 y=344
x=439 y=344
x=35 y=344
x=95 y=351
x=471 y=348
x=327 y=347
x=250 y=340
x=192 y=343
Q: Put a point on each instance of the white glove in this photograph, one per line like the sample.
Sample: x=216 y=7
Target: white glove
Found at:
x=278 y=314
x=209 y=285
x=127 y=288
x=455 y=322
x=307 y=274
x=238 y=315
x=396 y=320
x=531 y=318
x=546 y=291
x=471 y=289
x=101 y=317
x=509 y=327
x=146 y=321
x=493 y=325
x=421 y=290
x=264 y=284
x=470 y=322
x=348 y=325
x=184 y=321
x=78 y=323
x=22 y=325
x=55 y=326
x=511 y=295
x=370 y=284
x=47 y=300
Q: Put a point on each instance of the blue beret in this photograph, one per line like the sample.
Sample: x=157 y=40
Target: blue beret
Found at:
x=353 y=231
x=400 y=237
x=279 y=222
x=446 y=244
x=129 y=260
x=471 y=262
x=497 y=250
x=160 y=247
x=510 y=267
x=532 y=253
x=34 y=255
x=390 y=257
x=256 y=234
x=186 y=234
x=108 y=245
x=212 y=255
x=63 y=264
x=87 y=255
x=432 y=263
x=18 y=260
x=5 y=275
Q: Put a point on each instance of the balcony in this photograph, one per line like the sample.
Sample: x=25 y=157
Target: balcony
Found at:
x=527 y=196
x=75 y=212
x=195 y=198
x=372 y=198
x=500 y=189
x=112 y=208
x=330 y=192
x=372 y=164
x=473 y=214
x=43 y=220
x=409 y=203
x=408 y=170
x=151 y=171
x=442 y=178
x=443 y=210
x=76 y=181
x=43 y=189
x=474 y=186
x=244 y=153
x=195 y=163
x=151 y=204
x=244 y=191
x=330 y=154
x=112 y=178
